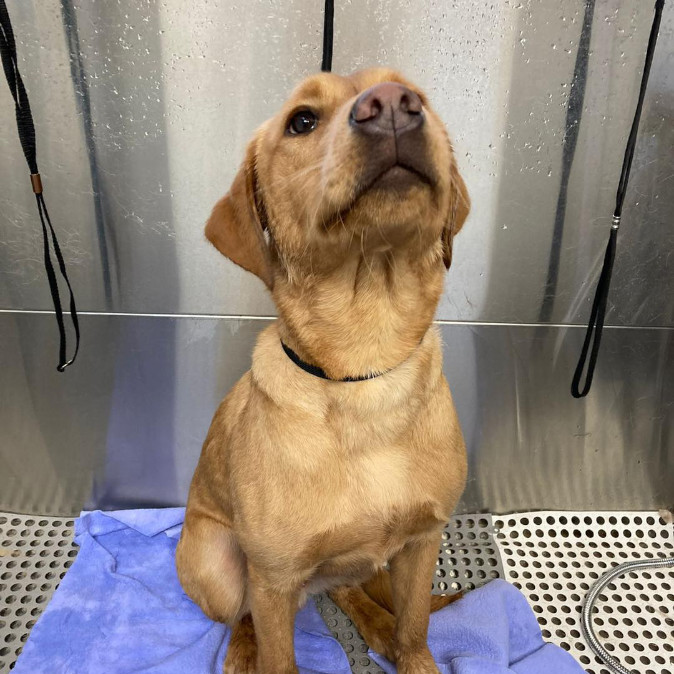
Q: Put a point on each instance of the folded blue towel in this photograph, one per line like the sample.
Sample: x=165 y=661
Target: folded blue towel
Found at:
x=120 y=609
x=492 y=630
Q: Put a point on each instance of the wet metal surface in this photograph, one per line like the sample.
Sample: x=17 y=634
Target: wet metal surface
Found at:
x=125 y=427
x=142 y=111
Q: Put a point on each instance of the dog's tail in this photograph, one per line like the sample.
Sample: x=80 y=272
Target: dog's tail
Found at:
x=378 y=588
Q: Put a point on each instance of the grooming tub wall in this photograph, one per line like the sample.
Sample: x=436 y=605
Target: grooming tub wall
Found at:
x=142 y=112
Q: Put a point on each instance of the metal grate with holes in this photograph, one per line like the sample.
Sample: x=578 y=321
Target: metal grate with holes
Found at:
x=555 y=557
x=35 y=553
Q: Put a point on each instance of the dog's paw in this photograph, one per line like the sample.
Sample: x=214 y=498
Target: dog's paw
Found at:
x=381 y=640
x=416 y=663
x=238 y=662
x=242 y=651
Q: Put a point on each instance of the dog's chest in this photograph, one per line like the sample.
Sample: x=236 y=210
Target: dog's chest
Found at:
x=348 y=481
x=354 y=516
x=387 y=495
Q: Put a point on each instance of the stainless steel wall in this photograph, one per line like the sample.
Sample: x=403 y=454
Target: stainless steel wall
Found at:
x=142 y=110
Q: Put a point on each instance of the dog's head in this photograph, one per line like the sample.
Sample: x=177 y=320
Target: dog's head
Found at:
x=350 y=166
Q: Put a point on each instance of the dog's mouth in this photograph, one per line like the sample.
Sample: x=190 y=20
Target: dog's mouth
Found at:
x=398 y=177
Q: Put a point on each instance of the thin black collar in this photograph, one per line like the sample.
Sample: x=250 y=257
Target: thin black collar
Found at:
x=320 y=372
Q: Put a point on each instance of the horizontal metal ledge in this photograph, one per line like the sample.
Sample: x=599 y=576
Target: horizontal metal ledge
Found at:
x=245 y=317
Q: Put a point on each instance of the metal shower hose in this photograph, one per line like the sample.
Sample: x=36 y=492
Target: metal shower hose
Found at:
x=591 y=597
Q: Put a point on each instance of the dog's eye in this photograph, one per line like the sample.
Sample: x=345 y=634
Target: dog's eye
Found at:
x=301 y=122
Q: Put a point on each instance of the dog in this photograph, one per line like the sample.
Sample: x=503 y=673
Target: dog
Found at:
x=334 y=463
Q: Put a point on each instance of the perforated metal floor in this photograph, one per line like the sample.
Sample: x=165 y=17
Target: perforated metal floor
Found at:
x=35 y=553
x=553 y=557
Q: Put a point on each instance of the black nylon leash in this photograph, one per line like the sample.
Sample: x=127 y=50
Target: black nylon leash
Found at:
x=26 y=129
x=596 y=323
x=328 y=31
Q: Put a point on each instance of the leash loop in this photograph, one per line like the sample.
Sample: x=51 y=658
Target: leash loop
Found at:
x=595 y=325
x=26 y=129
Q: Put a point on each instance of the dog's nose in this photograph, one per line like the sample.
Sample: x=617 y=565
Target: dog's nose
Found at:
x=387 y=108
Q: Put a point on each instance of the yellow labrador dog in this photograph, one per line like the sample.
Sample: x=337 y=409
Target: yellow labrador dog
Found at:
x=339 y=453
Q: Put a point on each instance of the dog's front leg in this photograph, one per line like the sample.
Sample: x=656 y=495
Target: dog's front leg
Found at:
x=274 y=620
x=411 y=574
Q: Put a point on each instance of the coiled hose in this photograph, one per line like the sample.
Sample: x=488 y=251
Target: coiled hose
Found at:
x=591 y=597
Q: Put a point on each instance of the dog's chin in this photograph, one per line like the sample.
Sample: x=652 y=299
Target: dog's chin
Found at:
x=393 y=212
x=398 y=194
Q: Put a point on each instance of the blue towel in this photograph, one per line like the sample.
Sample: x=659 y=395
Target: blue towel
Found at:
x=120 y=609
x=492 y=630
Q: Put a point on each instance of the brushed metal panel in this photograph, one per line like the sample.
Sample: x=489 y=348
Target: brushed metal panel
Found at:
x=143 y=110
x=533 y=446
x=125 y=427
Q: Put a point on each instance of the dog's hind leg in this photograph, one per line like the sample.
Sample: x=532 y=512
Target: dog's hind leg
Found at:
x=375 y=624
x=370 y=607
x=378 y=588
x=212 y=568
x=242 y=650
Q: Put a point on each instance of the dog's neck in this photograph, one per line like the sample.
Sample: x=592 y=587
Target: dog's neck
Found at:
x=366 y=317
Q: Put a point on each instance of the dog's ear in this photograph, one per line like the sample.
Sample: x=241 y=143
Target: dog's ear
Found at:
x=458 y=212
x=236 y=227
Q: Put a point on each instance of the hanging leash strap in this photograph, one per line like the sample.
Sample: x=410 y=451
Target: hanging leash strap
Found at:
x=26 y=128
x=596 y=323
x=328 y=30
